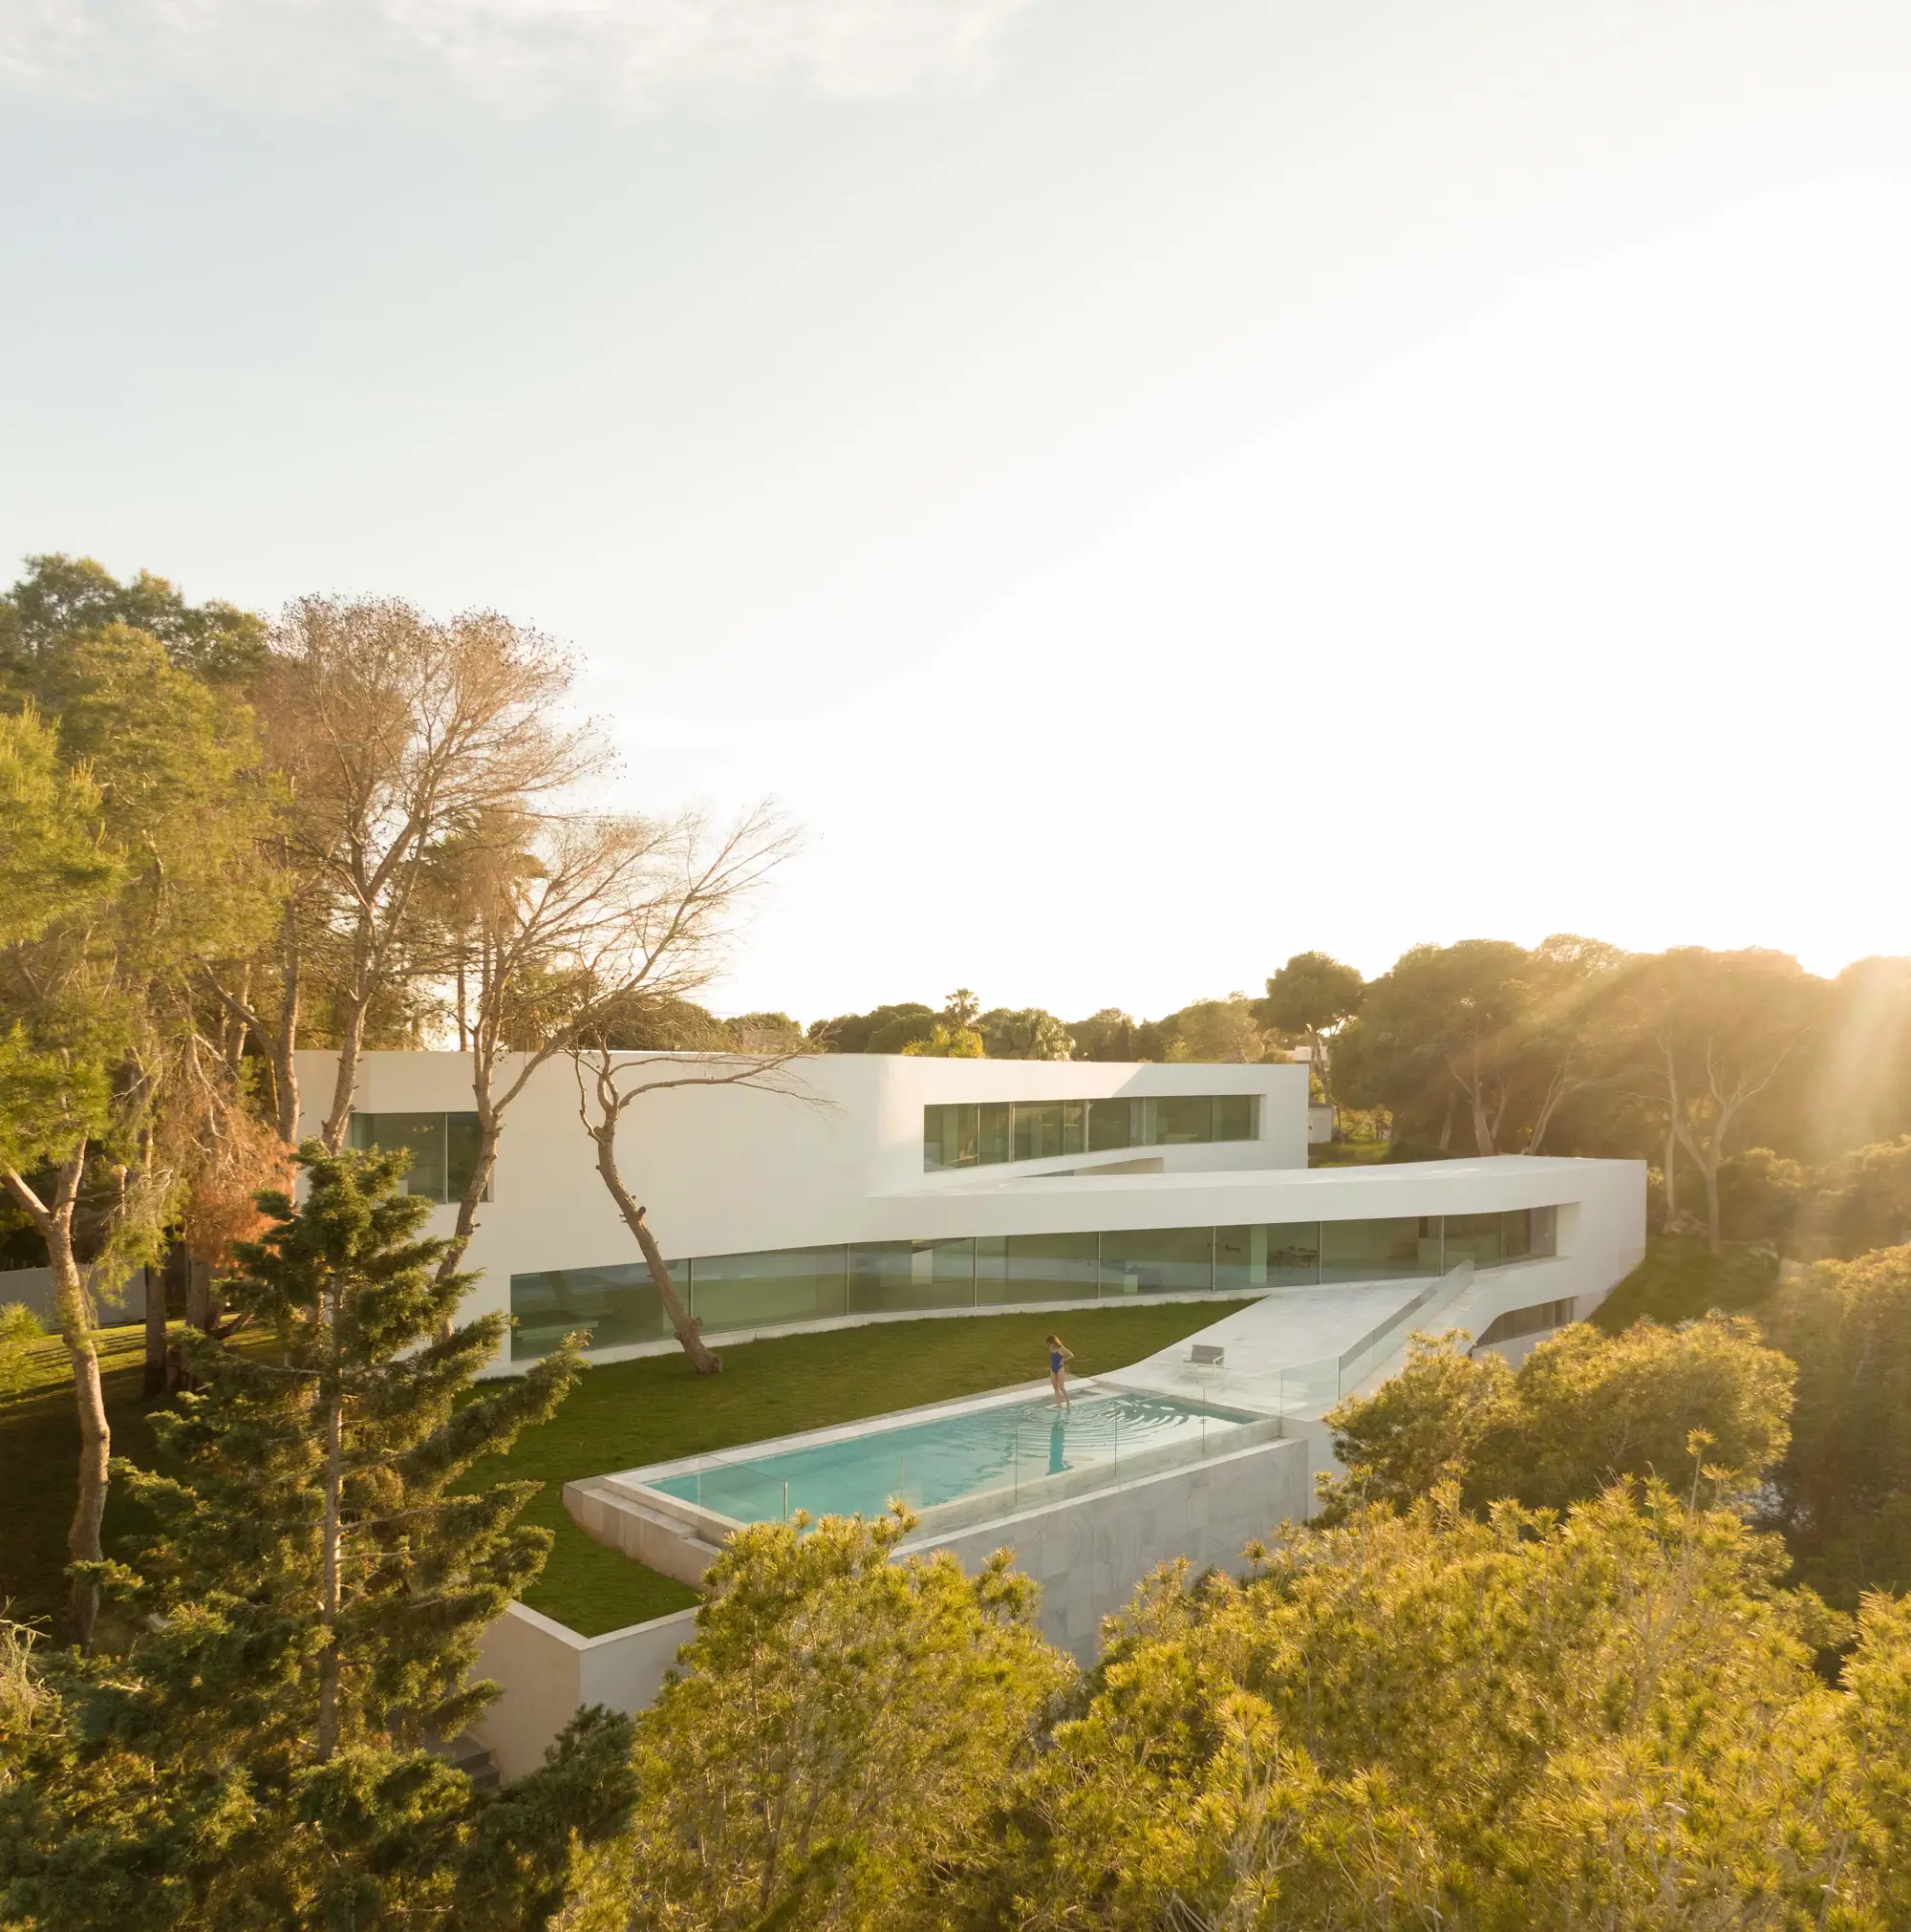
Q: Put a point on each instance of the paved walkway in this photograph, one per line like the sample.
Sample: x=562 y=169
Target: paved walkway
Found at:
x=1280 y=1355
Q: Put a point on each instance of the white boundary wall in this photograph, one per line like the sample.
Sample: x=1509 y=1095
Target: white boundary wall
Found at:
x=547 y=1671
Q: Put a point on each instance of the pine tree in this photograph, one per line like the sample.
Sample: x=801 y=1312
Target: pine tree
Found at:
x=303 y=1620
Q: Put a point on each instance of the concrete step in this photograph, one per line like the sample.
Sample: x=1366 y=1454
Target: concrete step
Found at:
x=470 y=1756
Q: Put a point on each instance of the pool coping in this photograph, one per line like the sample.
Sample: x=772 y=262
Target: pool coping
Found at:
x=710 y=1526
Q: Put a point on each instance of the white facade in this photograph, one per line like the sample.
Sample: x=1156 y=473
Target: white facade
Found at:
x=728 y=1172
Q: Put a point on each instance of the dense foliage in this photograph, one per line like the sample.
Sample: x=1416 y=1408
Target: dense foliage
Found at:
x=1581 y=1411
x=255 y=1748
x=837 y=1737
x=1557 y=1651
x=1844 y=1490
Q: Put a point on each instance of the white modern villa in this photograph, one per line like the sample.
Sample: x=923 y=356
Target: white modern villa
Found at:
x=882 y=1188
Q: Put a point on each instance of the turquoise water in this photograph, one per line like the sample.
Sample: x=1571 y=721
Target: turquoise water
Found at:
x=926 y=1463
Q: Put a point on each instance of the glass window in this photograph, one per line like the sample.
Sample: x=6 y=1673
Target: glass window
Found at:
x=1479 y=1239
x=778 y=1285
x=1293 y=1254
x=1537 y=1319
x=617 y=1305
x=1158 y=1261
x=1515 y=1234
x=443 y=1148
x=1378 y=1250
x=1286 y=1254
x=895 y=1276
x=1546 y=1230
x=1177 y=1120
x=947 y=1138
x=422 y=1134
x=1012 y=1267
x=1038 y=1130
x=1241 y=1257
x=1041 y=1130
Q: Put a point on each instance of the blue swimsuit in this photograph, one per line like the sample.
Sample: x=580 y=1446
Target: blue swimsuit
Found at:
x=1055 y=1362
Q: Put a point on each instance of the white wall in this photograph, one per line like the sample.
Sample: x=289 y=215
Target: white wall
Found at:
x=547 y=1671
x=1088 y=1552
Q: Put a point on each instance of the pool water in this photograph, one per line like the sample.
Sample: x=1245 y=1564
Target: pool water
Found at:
x=945 y=1459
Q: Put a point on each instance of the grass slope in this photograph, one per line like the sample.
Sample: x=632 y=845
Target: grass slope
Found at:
x=623 y=1414
x=1680 y=1280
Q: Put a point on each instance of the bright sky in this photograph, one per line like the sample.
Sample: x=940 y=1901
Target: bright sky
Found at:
x=1150 y=487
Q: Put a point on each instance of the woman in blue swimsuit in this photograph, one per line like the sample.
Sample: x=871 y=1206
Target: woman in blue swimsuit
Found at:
x=1058 y=1377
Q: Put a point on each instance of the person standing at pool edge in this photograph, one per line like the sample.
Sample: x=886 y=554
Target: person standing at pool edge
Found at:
x=1058 y=1374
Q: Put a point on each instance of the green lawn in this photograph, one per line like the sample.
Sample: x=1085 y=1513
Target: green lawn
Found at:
x=622 y=1415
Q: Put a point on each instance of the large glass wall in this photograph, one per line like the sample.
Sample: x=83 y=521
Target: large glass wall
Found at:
x=895 y=1277
x=1158 y=1261
x=620 y=1304
x=443 y=1148
x=977 y=1135
x=1278 y=1254
x=1021 y=1268
x=1380 y=1249
x=766 y=1289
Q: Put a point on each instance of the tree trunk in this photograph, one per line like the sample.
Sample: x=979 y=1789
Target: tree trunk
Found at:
x=200 y=1310
x=339 y=1119
x=1556 y=1092
x=96 y=1451
x=1671 y=1175
x=702 y=1357
x=1714 y=1228
x=490 y=1131
x=285 y=1067
x=330 y=1533
x=73 y=1309
x=1447 y=1126
x=153 y=1381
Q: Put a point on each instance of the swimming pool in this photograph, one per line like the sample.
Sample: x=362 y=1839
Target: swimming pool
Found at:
x=948 y=1458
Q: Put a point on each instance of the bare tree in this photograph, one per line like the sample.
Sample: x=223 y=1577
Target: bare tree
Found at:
x=1709 y=1032
x=391 y=733
x=1703 y=1121
x=607 y=1085
x=580 y=922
